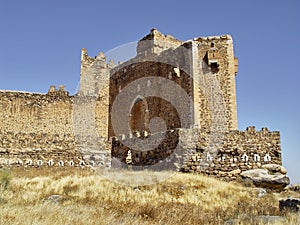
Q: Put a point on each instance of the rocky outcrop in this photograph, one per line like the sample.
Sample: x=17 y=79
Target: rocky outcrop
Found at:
x=267 y=178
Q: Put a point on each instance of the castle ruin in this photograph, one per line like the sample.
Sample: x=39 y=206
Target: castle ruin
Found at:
x=190 y=85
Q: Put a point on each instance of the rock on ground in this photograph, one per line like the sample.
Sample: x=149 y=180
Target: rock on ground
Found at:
x=263 y=178
x=275 y=168
x=289 y=205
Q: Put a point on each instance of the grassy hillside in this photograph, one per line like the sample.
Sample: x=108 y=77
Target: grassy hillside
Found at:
x=86 y=197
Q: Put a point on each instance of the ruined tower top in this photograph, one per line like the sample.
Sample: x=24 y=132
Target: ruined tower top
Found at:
x=156 y=42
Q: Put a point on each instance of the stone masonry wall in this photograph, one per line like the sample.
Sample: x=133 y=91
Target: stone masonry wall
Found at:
x=215 y=66
x=168 y=154
x=49 y=113
x=38 y=149
x=39 y=130
x=212 y=89
x=240 y=151
x=156 y=106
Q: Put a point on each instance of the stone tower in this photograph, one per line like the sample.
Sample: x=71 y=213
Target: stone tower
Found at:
x=90 y=110
x=211 y=58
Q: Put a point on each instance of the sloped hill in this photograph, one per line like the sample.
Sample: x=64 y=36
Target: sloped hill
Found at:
x=80 y=196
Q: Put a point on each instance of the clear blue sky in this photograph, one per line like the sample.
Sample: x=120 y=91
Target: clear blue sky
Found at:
x=41 y=42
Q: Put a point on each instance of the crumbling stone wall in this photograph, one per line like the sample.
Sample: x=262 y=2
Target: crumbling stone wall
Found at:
x=240 y=151
x=156 y=42
x=177 y=144
x=156 y=106
x=204 y=68
x=49 y=113
x=38 y=149
x=38 y=130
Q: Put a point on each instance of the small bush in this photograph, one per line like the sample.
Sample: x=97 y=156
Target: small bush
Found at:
x=5 y=178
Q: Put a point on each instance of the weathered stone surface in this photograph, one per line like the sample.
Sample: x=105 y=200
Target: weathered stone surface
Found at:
x=235 y=172
x=240 y=150
x=275 y=168
x=262 y=178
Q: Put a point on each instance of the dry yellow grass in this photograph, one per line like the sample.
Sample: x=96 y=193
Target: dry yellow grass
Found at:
x=87 y=197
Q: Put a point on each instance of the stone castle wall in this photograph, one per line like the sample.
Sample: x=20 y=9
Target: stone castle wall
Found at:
x=180 y=149
x=155 y=105
x=38 y=149
x=240 y=151
x=36 y=129
x=56 y=129
x=49 y=113
x=39 y=130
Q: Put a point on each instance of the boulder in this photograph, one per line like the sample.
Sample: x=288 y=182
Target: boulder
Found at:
x=263 y=178
x=295 y=188
x=261 y=192
x=289 y=205
x=56 y=198
x=275 y=168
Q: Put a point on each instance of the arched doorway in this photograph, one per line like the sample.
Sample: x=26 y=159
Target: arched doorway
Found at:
x=139 y=116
